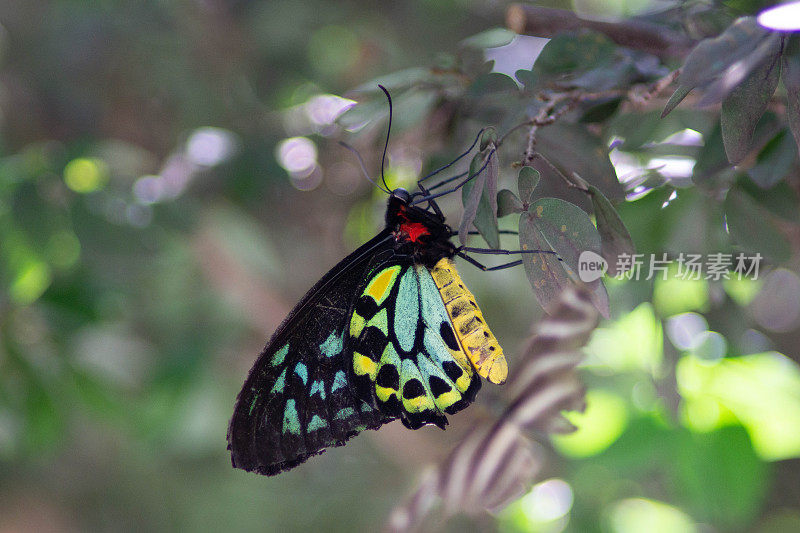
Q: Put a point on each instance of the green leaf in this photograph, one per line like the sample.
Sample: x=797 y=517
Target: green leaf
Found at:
x=639 y=130
x=492 y=177
x=618 y=71
x=791 y=80
x=775 y=160
x=471 y=197
x=527 y=181
x=553 y=224
x=600 y=298
x=745 y=105
x=601 y=111
x=722 y=479
x=779 y=200
x=677 y=97
x=573 y=149
x=711 y=159
x=614 y=236
x=544 y=271
x=567 y=228
x=508 y=203
x=490 y=38
x=488 y=136
x=397 y=81
x=712 y=57
x=572 y=54
x=737 y=73
x=478 y=208
x=526 y=77
x=753 y=227
x=492 y=83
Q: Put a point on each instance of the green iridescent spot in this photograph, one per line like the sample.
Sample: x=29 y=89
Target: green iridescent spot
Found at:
x=253 y=404
x=280 y=355
x=344 y=413
x=316 y=423
x=291 y=422
x=332 y=345
x=339 y=381
x=279 y=383
x=317 y=386
x=302 y=372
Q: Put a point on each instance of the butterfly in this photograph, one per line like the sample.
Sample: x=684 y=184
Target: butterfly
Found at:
x=391 y=332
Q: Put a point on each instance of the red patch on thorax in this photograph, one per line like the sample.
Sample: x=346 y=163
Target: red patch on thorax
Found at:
x=414 y=230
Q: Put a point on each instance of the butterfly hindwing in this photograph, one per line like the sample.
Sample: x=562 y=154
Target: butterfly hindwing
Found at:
x=405 y=355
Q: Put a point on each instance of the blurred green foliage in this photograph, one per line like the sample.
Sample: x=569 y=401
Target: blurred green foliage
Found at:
x=151 y=237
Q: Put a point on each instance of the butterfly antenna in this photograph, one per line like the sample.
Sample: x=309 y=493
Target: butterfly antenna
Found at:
x=363 y=168
x=388 y=132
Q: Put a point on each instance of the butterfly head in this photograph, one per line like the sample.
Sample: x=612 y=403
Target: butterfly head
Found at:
x=401 y=194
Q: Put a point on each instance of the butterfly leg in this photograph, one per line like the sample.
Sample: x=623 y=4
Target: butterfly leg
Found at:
x=483 y=267
x=502 y=232
x=491 y=251
x=432 y=203
x=462 y=252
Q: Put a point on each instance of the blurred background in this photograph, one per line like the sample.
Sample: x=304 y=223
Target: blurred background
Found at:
x=170 y=185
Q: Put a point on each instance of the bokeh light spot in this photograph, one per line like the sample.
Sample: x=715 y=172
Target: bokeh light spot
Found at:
x=634 y=342
x=784 y=17
x=149 y=189
x=63 y=249
x=605 y=419
x=84 y=175
x=30 y=283
x=210 y=146
x=759 y=391
x=298 y=155
x=635 y=515
x=777 y=305
x=710 y=346
x=675 y=295
x=684 y=329
x=742 y=291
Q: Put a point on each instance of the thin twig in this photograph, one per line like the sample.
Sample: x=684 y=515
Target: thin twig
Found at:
x=638 y=96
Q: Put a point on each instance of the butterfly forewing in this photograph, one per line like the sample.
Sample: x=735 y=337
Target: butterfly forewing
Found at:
x=297 y=399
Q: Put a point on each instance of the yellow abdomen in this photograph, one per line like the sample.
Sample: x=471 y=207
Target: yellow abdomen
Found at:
x=473 y=333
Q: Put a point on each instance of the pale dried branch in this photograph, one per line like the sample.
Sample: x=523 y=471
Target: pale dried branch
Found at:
x=496 y=463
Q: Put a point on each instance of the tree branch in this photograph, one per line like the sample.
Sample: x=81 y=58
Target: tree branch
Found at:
x=637 y=34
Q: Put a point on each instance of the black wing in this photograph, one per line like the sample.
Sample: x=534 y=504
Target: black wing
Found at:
x=297 y=399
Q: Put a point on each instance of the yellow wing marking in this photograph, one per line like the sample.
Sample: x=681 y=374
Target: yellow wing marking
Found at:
x=381 y=285
x=473 y=334
x=420 y=403
x=363 y=365
x=357 y=323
